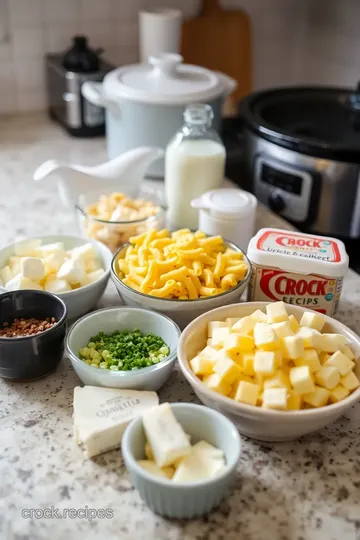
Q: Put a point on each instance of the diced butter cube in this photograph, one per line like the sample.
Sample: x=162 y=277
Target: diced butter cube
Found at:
x=72 y=271
x=264 y=362
x=294 y=401
x=91 y=277
x=227 y=370
x=301 y=379
x=283 y=329
x=350 y=381
x=32 y=268
x=230 y=321
x=6 y=274
x=244 y=325
x=338 y=393
x=311 y=338
x=203 y=461
x=210 y=353
x=265 y=337
x=348 y=352
x=51 y=249
x=247 y=392
x=237 y=343
x=279 y=359
x=148 y=452
x=84 y=253
x=215 y=383
x=165 y=435
x=244 y=377
x=309 y=358
x=332 y=342
x=92 y=265
x=152 y=468
x=215 y=324
x=27 y=248
x=294 y=323
x=312 y=320
x=20 y=282
x=219 y=336
x=53 y=262
x=318 y=398
x=248 y=363
x=202 y=366
x=56 y=286
x=276 y=312
x=328 y=377
x=280 y=380
x=341 y=362
x=274 y=398
x=259 y=316
x=293 y=347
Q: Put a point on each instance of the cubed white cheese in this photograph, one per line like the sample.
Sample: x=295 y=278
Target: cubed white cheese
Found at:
x=275 y=398
x=244 y=325
x=91 y=277
x=341 y=362
x=301 y=380
x=247 y=392
x=312 y=320
x=102 y=414
x=72 y=271
x=215 y=324
x=276 y=312
x=15 y=265
x=328 y=377
x=311 y=338
x=56 y=285
x=51 y=249
x=265 y=363
x=27 y=248
x=318 y=398
x=332 y=342
x=84 y=253
x=20 y=282
x=92 y=265
x=6 y=274
x=53 y=262
x=293 y=347
x=165 y=435
x=283 y=329
x=32 y=268
x=265 y=337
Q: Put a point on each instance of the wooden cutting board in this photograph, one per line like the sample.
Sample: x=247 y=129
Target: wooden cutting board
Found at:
x=220 y=40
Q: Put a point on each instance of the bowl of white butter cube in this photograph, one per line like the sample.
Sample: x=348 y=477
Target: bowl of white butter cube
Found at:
x=74 y=269
x=181 y=458
x=278 y=371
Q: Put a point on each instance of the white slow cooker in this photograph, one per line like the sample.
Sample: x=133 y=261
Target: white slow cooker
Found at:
x=145 y=102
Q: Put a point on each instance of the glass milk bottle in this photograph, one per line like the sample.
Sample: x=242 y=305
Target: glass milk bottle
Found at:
x=194 y=164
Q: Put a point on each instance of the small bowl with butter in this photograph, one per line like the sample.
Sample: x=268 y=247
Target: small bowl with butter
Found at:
x=115 y=217
x=181 y=458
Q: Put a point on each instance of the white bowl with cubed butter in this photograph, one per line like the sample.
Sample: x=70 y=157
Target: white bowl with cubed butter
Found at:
x=274 y=378
x=74 y=269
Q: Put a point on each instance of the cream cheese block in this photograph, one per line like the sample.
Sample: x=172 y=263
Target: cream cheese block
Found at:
x=102 y=414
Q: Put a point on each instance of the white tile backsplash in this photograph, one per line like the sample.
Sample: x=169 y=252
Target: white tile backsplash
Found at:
x=294 y=41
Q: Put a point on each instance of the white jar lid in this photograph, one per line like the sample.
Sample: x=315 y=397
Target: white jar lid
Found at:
x=166 y=80
x=226 y=203
x=293 y=251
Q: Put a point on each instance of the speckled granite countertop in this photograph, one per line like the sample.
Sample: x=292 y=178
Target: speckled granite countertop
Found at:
x=304 y=490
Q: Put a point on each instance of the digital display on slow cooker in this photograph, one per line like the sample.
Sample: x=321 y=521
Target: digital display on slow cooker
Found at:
x=280 y=179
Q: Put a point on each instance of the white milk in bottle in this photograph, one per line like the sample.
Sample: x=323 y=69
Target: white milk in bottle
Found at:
x=194 y=164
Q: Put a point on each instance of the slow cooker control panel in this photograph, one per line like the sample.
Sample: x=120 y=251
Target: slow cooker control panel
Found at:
x=284 y=189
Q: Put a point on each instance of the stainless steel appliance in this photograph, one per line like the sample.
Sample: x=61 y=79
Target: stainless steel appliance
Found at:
x=303 y=156
x=65 y=101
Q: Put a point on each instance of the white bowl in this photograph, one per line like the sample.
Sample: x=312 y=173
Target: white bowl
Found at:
x=82 y=300
x=123 y=318
x=255 y=422
x=184 y=501
x=181 y=311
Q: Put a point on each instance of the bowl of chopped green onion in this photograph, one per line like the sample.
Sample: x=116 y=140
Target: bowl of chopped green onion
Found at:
x=123 y=347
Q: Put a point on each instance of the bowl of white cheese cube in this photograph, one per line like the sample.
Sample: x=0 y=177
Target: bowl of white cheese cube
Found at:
x=181 y=458
x=74 y=269
x=277 y=370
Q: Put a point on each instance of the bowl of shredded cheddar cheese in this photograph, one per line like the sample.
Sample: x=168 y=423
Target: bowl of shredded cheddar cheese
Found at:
x=181 y=273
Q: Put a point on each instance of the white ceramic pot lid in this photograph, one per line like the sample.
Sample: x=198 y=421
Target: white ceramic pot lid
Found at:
x=165 y=80
x=226 y=203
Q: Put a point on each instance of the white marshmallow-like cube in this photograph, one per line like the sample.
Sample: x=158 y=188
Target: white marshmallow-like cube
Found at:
x=6 y=274
x=27 y=248
x=53 y=262
x=91 y=277
x=32 y=268
x=276 y=312
x=19 y=282
x=84 y=253
x=312 y=320
x=72 y=271
x=56 y=285
x=49 y=249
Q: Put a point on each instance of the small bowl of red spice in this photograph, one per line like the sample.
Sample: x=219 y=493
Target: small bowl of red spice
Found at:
x=32 y=333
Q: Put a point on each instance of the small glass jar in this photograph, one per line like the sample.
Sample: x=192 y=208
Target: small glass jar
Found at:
x=110 y=232
x=194 y=164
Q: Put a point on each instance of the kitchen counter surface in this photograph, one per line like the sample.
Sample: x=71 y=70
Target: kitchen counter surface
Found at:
x=303 y=490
